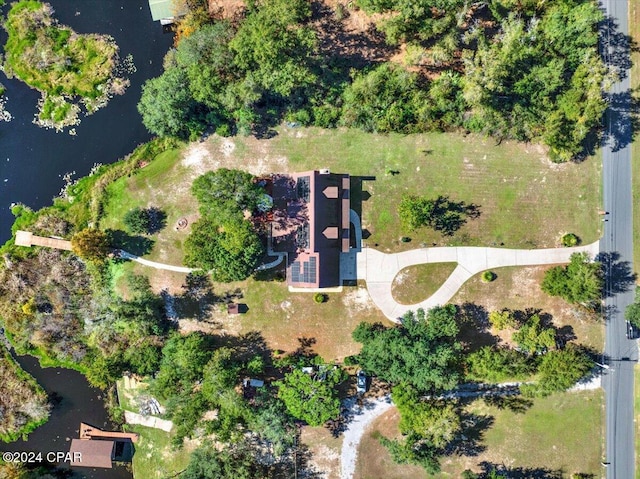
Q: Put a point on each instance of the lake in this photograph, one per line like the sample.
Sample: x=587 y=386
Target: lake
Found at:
x=32 y=159
x=74 y=401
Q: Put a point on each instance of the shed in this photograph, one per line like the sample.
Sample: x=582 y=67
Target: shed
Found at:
x=92 y=453
x=165 y=11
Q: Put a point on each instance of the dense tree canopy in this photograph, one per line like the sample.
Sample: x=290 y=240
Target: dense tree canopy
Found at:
x=494 y=365
x=91 y=244
x=229 y=252
x=421 y=352
x=522 y=69
x=534 y=337
x=560 y=370
x=314 y=399
x=226 y=193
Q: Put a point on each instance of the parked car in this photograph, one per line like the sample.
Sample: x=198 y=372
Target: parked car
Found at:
x=632 y=331
x=361 y=381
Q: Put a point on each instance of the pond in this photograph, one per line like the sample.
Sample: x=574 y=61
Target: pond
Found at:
x=74 y=401
x=32 y=159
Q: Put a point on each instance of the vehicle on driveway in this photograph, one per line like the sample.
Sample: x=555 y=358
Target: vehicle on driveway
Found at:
x=361 y=382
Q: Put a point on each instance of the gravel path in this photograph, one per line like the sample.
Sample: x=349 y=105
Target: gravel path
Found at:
x=351 y=439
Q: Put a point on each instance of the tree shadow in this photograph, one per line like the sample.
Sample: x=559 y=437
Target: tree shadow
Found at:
x=136 y=245
x=473 y=323
x=157 y=219
x=513 y=403
x=197 y=299
x=519 y=472
x=619 y=276
x=615 y=46
x=449 y=216
x=469 y=441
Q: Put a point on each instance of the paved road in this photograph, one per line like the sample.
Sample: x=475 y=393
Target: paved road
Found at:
x=618 y=238
x=378 y=269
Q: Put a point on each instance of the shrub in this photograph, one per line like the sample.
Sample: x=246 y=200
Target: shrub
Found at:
x=570 y=240
x=488 y=276
x=319 y=298
x=351 y=360
x=223 y=130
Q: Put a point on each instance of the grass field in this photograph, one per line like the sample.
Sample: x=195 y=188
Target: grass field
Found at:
x=154 y=457
x=558 y=433
x=518 y=288
x=515 y=186
x=416 y=283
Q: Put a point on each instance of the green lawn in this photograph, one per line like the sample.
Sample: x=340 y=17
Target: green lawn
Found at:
x=154 y=457
x=558 y=433
x=522 y=199
x=416 y=283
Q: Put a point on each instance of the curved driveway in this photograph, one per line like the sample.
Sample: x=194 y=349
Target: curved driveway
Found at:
x=378 y=269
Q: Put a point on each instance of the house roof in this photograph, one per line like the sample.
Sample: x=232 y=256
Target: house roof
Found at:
x=92 y=453
x=163 y=9
x=311 y=224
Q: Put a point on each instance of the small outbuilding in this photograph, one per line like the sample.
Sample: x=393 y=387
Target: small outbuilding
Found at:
x=165 y=11
x=92 y=453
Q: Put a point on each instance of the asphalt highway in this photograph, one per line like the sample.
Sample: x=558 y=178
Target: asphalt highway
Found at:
x=621 y=354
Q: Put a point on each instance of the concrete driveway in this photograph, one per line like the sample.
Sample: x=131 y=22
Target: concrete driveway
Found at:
x=378 y=269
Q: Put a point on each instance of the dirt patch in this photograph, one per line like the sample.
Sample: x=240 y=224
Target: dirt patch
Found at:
x=325 y=451
x=230 y=9
x=358 y=299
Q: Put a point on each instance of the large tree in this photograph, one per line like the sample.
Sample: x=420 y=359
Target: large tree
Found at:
x=230 y=252
x=580 y=282
x=560 y=370
x=314 y=399
x=167 y=106
x=91 y=244
x=225 y=193
x=534 y=337
x=422 y=351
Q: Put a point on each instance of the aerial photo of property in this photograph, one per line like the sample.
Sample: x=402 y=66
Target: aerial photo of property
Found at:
x=319 y=239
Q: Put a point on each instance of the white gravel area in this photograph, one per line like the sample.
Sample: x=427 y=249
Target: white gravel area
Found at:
x=363 y=416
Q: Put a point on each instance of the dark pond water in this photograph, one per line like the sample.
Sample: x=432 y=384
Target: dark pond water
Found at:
x=32 y=159
x=74 y=401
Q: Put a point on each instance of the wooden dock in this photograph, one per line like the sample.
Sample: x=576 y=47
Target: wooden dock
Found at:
x=90 y=432
x=28 y=239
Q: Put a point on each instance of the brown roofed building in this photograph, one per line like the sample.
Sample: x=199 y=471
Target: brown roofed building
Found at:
x=92 y=453
x=311 y=224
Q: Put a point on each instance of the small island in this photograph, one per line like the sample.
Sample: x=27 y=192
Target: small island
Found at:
x=67 y=68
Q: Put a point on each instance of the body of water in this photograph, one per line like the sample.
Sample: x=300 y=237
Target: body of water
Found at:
x=32 y=163
x=74 y=401
x=32 y=159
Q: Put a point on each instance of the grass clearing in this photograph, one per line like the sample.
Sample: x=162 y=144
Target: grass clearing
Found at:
x=519 y=288
x=561 y=432
x=515 y=186
x=155 y=458
x=416 y=283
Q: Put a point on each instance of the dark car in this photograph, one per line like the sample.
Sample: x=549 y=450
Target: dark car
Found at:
x=361 y=383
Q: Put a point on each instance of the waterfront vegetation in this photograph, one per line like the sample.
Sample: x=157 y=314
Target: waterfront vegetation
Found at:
x=23 y=402
x=66 y=67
